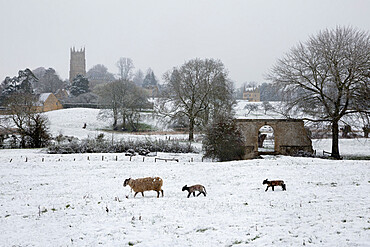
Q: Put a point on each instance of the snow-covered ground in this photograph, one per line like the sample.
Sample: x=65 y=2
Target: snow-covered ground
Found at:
x=62 y=200
x=69 y=122
x=243 y=113
x=79 y=200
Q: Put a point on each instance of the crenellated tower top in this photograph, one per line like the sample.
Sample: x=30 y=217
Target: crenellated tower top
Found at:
x=77 y=63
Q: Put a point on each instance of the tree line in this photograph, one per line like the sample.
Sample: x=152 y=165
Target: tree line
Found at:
x=325 y=78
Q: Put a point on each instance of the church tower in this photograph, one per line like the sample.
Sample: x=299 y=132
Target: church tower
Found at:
x=77 y=63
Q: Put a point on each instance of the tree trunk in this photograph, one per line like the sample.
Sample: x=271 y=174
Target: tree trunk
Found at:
x=23 y=141
x=191 y=129
x=115 y=118
x=335 y=140
x=114 y=123
x=124 y=117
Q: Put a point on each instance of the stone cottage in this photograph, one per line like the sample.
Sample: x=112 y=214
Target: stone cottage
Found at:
x=48 y=102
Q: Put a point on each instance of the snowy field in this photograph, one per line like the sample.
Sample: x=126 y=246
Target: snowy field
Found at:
x=79 y=200
x=62 y=200
x=69 y=122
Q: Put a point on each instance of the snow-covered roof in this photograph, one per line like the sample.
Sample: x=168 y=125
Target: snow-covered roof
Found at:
x=251 y=89
x=43 y=97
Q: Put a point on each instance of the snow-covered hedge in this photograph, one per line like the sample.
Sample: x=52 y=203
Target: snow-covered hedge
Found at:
x=100 y=145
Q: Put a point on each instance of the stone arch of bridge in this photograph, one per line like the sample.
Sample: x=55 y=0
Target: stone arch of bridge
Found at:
x=266 y=139
x=290 y=135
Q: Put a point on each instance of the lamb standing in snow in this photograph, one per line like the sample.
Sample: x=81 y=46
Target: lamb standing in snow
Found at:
x=274 y=183
x=145 y=184
x=193 y=188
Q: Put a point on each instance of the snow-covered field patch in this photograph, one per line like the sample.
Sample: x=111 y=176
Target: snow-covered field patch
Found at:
x=65 y=200
x=69 y=122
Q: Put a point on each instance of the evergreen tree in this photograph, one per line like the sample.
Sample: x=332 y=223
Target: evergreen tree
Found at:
x=79 y=85
x=22 y=84
x=150 y=81
x=223 y=140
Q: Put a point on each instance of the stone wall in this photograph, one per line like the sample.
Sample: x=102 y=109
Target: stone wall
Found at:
x=290 y=136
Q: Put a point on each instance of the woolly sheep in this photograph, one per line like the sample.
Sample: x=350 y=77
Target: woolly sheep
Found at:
x=198 y=187
x=145 y=184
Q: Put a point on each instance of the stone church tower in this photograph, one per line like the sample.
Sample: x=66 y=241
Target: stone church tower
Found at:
x=77 y=63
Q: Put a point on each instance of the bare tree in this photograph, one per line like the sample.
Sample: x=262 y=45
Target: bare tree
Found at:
x=32 y=126
x=125 y=68
x=109 y=95
x=251 y=107
x=199 y=90
x=124 y=100
x=267 y=106
x=327 y=77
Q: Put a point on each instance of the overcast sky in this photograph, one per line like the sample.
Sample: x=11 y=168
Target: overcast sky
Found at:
x=247 y=36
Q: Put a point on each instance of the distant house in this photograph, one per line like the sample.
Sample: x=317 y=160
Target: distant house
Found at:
x=48 y=102
x=252 y=94
x=61 y=94
x=152 y=91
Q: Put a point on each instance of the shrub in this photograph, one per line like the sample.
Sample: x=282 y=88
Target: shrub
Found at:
x=224 y=141
x=99 y=145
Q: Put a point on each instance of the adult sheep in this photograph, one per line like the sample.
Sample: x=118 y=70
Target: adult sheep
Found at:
x=145 y=184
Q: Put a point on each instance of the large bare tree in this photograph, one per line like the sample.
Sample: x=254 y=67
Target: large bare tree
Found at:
x=327 y=77
x=198 y=90
x=125 y=68
x=122 y=100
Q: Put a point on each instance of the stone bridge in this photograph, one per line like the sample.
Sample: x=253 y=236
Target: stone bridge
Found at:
x=289 y=134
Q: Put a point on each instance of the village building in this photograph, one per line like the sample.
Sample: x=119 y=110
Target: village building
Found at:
x=152 y=91
x=48 y=102
x=251 y=94
x=61 y=94
x=77 y=63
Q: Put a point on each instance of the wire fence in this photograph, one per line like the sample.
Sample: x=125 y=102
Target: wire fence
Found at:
x=53 y=158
